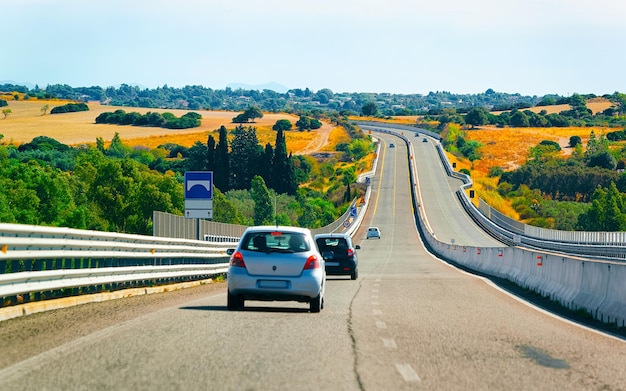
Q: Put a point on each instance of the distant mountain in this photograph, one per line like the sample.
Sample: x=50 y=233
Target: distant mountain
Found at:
x=259 y=87
x=30 y=86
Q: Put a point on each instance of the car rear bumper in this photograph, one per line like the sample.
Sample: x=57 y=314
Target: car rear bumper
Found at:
x=345 y=267
x=303 y=288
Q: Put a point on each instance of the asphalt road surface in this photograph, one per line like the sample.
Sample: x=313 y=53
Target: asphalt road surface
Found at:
x=410 y=321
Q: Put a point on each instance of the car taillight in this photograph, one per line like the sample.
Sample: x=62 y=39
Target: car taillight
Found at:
x=237 y=260
x=312 y=263
x=350 y=252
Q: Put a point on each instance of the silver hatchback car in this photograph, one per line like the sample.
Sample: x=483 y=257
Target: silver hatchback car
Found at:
x=276 y=263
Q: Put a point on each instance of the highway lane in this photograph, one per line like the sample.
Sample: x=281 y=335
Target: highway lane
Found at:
x=410 y=321
x=441 y=206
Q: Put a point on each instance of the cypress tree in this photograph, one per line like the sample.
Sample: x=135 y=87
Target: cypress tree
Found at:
x=283 y=172
x=265 y=165
x=210 y=155
x=221 y=170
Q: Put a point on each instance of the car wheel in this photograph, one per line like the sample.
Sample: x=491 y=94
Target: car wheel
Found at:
x=315 y=304
x=234 y=302
x=355 y=274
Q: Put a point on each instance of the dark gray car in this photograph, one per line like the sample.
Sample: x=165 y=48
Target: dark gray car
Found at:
x=339 y=254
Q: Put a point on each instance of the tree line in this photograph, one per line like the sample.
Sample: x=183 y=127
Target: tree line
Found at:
x=296 y=100
x=165 y=120
x=69 y=108
x=578 y=115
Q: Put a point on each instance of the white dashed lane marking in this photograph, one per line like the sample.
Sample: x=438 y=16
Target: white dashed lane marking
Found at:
x=408 y=374
x=381 y=324
x=377 y=312
x=390 y=343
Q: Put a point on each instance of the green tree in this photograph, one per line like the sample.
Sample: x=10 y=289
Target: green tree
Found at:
x=303 y=123
x=210 y=154
x=574 y=141
x=240 y=119
x=117 y=148
x=519 y=119
x=244 y=157
x=603 y=159
x=606 y=212
x=6 y=112
x=349 y=177
x=196 y=157
x=263 y=210
x=221 y=171
x=253 y=113
x=282 y=124
x=370 y=109
x=224 y=210
x=476 y=117
x=283 y=172
x=265 y=165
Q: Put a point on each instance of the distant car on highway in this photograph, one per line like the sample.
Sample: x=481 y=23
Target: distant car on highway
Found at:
x=424 y=140
x=391 y=145
x=339 y=254
x=373 y=232
x=276 y=263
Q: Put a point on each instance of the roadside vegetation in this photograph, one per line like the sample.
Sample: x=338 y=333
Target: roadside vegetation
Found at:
x=550 y=161
x=113 y=186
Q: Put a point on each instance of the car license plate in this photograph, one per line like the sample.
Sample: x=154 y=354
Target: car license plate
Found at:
x=332 y=263
x=273 y=284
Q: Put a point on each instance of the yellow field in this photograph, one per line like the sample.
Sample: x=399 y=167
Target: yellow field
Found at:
x=26 y=122
x=507 y=148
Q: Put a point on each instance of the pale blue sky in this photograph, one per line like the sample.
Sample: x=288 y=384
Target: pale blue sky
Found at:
x=531 y=47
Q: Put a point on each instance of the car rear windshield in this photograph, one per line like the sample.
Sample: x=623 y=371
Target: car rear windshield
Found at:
x=332 y=244
x=275 y=241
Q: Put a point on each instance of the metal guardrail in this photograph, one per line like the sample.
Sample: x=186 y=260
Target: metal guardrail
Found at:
x=40 y=260
x=12 y=284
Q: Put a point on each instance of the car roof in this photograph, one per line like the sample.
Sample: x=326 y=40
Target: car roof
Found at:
x=373 y=228
x=332 y=235
x=283 y=228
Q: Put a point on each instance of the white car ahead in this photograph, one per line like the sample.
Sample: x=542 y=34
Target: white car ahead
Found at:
x=373 y=232
x=276 y=263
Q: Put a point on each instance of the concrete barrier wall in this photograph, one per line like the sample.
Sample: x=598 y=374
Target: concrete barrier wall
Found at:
x=597 y=287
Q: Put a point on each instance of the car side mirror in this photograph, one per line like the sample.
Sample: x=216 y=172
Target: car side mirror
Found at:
x=230 y=251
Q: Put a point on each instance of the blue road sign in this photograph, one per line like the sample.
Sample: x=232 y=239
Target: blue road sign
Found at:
x=352 y=211
x=199 y=185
